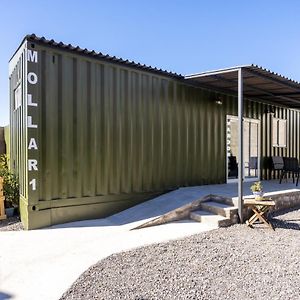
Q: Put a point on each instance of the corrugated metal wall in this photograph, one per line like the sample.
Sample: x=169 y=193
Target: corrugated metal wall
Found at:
x=293 y=142
x=108 y=130
x=111 y=130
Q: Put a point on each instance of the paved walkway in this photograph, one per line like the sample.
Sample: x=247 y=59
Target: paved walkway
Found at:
x=42 y=264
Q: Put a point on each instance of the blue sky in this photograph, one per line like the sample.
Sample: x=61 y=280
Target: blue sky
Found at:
x=181 y=36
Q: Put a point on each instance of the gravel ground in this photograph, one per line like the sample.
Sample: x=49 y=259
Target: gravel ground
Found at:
x=11 y=224
x=228 y=263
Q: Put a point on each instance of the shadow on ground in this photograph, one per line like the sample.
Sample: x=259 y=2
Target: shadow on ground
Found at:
x=285 y=223
x=4 y=296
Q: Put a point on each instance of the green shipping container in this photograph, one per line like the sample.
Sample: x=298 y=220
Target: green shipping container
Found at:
x=92 y=134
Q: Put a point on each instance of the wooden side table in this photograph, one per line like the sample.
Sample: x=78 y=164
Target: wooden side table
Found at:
x=260 y=208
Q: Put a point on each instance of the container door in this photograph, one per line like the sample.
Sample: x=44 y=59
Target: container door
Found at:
x=251 y=149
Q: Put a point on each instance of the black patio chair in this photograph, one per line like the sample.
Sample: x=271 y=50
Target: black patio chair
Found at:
x=291 y=165
x=253 y=164
x=278 y=165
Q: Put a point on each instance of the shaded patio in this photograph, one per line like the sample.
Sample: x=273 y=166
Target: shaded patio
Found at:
x=255 y=83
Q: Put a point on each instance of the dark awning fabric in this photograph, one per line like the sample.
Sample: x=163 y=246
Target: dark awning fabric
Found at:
x=258 y=83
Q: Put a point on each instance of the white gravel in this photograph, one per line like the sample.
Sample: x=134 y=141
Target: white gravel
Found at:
x=228 y=263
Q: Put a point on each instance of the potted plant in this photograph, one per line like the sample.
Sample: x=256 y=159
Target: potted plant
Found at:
x=11 y=194
x=257 y=189
x=10 y=187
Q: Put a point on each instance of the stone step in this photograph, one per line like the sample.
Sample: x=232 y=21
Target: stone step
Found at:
x=210 y=218
x=221 y=209
x=224 y=200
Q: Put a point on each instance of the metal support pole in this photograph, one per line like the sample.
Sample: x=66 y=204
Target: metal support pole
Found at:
x=240 y=145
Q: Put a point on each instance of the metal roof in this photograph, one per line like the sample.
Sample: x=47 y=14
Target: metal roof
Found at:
x=97 y=55
x=258 y=83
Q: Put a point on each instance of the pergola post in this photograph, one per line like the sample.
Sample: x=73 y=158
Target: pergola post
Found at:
x=240 y=144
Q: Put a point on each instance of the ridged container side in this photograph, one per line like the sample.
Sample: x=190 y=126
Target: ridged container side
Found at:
x=109 y=135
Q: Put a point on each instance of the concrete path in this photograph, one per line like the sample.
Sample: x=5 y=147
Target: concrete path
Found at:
x=42 y=264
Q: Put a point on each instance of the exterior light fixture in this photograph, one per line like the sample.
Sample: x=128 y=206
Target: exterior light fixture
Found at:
x=219 y=101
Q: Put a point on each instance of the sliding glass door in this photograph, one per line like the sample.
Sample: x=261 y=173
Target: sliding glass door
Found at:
x=251 y=149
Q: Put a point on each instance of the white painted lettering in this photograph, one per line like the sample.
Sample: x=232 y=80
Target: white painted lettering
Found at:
x=32 y=78
x=32 y=165
x=32 y=56
x=29 y=101
x=33 y=184
x=29 y=123
x=32 y=144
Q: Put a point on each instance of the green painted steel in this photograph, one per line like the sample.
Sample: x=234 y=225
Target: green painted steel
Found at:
x=109 y=136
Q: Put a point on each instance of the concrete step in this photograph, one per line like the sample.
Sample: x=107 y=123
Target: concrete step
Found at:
x=221 y=209
x=210 y=218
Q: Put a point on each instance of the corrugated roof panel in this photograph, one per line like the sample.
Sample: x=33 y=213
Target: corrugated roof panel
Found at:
x=99 y=55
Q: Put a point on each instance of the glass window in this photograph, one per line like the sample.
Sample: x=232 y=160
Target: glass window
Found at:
x=18 y=97
x=279 y=134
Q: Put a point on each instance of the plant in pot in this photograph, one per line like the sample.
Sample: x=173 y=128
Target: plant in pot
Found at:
x=257 y=189
x=10 y=187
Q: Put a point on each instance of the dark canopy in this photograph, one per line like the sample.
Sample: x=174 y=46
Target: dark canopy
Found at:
x=258 y=83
